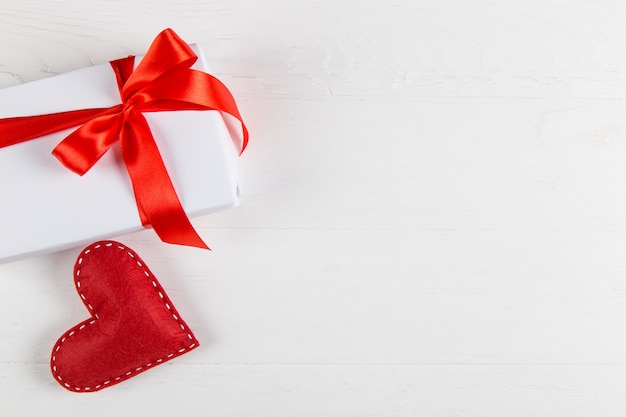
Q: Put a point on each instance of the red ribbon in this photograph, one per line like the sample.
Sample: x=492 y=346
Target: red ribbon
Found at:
x=163 y=81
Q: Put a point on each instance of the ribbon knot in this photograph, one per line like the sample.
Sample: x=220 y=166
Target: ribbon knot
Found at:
x=162 y=81
x=128 y=106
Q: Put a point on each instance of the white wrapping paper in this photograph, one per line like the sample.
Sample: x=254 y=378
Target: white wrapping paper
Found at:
x=45 y=207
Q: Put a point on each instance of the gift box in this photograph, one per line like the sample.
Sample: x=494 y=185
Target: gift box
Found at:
x=46 y=207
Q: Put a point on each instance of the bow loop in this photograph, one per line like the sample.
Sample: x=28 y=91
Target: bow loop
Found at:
x=86 y=145
x=167 y=53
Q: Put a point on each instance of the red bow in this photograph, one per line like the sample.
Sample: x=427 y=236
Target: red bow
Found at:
x=163 y=81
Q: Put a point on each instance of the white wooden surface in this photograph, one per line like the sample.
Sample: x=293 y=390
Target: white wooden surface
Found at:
x=433 y=223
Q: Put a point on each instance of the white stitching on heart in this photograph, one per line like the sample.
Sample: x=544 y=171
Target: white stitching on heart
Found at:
x=83 y=325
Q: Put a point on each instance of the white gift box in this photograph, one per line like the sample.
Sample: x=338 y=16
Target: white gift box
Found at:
x=44 y=207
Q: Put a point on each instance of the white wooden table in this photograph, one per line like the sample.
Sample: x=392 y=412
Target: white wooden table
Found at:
x=433 y=223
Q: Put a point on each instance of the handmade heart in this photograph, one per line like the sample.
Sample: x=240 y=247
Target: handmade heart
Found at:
x=133 y=326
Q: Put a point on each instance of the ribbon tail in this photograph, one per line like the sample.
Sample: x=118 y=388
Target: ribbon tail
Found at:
x=156 y=197
x=225 y=102
x=185 y=89
x=15 y=130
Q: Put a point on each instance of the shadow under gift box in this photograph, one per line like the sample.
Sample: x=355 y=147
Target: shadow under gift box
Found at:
x=44 y=207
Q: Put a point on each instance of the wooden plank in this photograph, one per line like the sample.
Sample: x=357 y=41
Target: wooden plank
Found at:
x=333 y=391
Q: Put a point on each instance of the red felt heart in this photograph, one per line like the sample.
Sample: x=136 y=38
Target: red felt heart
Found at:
x=133 y=326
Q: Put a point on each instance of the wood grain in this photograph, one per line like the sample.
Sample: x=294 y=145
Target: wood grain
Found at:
x=433 y=217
